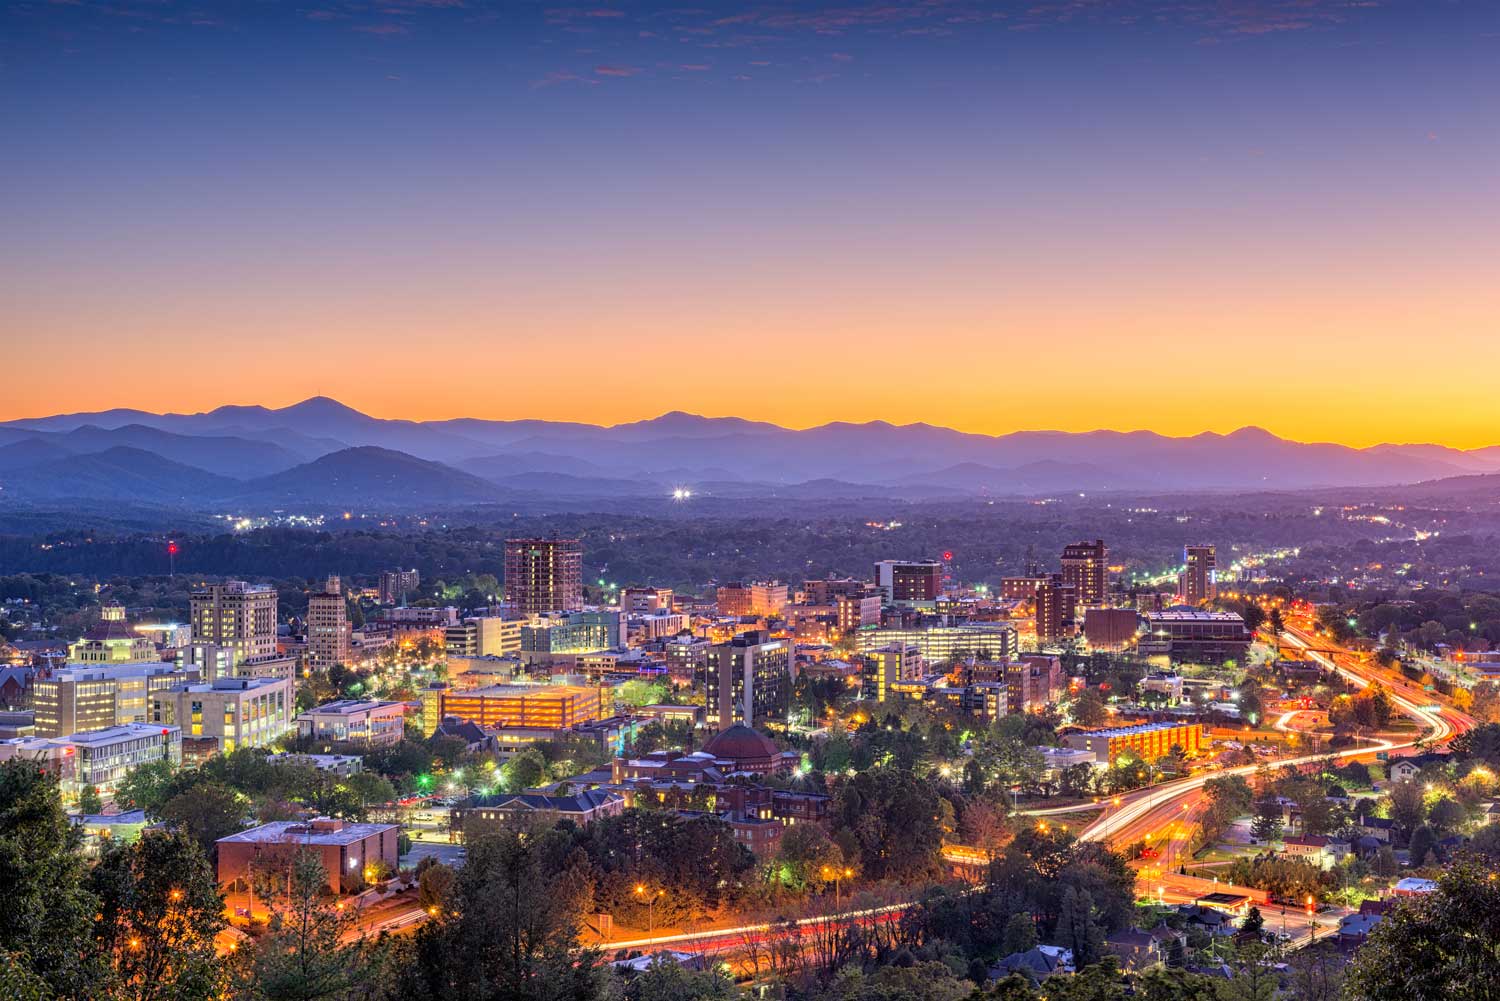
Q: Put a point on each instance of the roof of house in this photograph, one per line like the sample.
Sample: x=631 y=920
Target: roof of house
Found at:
x=578 y=802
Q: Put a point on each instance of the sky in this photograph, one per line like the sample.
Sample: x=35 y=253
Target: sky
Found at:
x=1064 y=214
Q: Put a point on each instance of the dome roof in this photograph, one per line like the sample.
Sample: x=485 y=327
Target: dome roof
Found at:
x=741 y=743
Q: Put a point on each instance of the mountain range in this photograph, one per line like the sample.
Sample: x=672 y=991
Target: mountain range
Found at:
x=323 y=453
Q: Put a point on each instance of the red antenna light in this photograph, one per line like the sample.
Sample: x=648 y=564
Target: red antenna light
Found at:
x=947 y=554
x=172 y=548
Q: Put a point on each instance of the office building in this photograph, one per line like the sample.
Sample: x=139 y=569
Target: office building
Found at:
x=894 y=664
x=396 y=585
x=570 y=633
x=1110 y=628
x=857 y=609
x=327 y=627
x=909 y=582
x=748 y=680
x=1085 y=567
x=1032 y=682
x=371 y=723
x=758 y=599
x=236 y=616
x=92 y=698
x=111 y=641
x=1056 y=607
x=97 y=759
x=1198 y=582
x=943 y=644
x=687 y=659
x=543 y=575
x=645 y=600
x=353 y=855
x=1147 y=741
x=824 y=591
x=1021 y=588
x=232 y=712
x=1193 y=634
x=484 y=636
x=554 y=707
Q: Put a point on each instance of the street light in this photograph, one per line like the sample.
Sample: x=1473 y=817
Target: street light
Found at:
x=640 y=891
x=837 y=875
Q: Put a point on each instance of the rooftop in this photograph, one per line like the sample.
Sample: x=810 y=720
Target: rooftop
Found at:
x=307 y=833
x=1131 y=731
x=348 y=707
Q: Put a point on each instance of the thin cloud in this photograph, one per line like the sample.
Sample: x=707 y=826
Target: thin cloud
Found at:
x=616 y=70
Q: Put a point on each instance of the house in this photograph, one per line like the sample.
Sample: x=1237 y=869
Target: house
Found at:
x=1413 y=887
x=1309 y=848
x=1038 y=963
x=1379 y=828
x=1136 y=950
x=582 y=808
x=1410 y=767
x=1207 y=919
x=1355 y=928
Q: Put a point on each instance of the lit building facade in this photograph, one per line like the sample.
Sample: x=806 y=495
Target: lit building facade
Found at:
x=234 y=712
x=1085 y=567
x=555 y=707
x=237 y=616
x=909 y=581
x=748 y=680
x=374 y=724
x=543 y=575
x=92 y=698
x=1199 y=581
x=328 y=627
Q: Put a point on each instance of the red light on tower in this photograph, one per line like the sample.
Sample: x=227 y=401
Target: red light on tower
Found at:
x=948 y=554
x=172 y=548
x=172 y=557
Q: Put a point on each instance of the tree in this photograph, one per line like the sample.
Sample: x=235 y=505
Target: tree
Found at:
x=1437 y=946
x=145 y=787
x=526 y=770
x=666 y=980
x=302 y=956
x=207 y=810
x=1446 y=815
x=1315 y=975
x=1253 y=922
x=1408 y=805
x=434 y=883
x=1176 y=953
x=515 y=933
x=159 y=909
x=89 y=802
x=1423 y=846
x=893 y=819
x=1020 y=934
x=1268 y=821
x=1088 y=710
x=1076 y=928
x=46 y=913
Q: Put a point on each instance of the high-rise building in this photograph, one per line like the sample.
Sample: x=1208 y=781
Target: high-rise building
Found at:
x=111 y=641
x=759 y=598
x=905 y=581
x=895 y=663
x=237 y=616
x=1085 y=566
x=1198 y=581
x=543 y=575
x=395 y=585
x=1032 y=682
x=1056 y=607
x=748 y=680
x=327 y=627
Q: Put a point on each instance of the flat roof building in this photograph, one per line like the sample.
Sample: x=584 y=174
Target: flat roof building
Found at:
x=356 y=722
x=555 y=707
x=353 y=855
x=1147 y=741
x=234 y=712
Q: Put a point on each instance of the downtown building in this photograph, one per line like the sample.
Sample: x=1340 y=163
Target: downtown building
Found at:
x=905 y=582
x=1199 y=581
x=111 y=641
x=352 y=721
x=227 y=713
x=1085 y=568
x=327 y=627
x=543 y=575
x=78 y=699
x=758 y=599
x=484 y=636
x=943 y=644
x=395 y=585
x=235 y=617
x=748 y=680
x=1056 y=608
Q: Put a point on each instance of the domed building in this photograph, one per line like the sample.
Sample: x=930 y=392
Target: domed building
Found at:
x=741 y=749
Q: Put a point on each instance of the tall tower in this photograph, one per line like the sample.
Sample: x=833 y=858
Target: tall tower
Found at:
x=1199 y=580
x=327 y=627
x=236 y=616
x=543 y=575
x=1085 y=567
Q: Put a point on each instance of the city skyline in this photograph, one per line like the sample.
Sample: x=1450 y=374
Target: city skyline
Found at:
x=1193 y=218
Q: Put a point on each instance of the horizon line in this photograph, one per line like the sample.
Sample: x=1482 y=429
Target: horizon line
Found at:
x=10 y=421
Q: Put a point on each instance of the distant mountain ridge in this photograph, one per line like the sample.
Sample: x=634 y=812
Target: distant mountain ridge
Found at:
x=320 y=451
